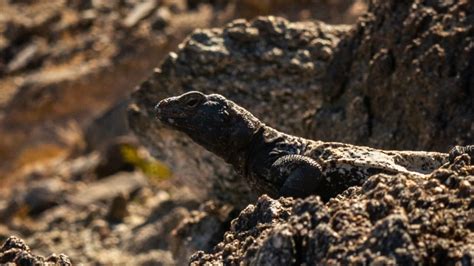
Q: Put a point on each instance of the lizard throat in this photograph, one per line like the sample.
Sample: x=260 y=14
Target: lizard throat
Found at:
x=241 y=157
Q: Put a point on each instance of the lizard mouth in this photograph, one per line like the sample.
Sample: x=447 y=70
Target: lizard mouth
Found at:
x=169 y=115
x=177 y=124
x=172 y=117
x=163 y=111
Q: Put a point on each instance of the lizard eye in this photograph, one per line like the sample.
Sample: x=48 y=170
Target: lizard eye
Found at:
x=193 y=102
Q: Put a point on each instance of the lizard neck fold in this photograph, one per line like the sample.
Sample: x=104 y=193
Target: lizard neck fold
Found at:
x=256 y=155
x=239 y=157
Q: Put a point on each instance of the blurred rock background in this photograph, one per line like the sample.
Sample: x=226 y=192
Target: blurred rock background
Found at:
x=73 y=179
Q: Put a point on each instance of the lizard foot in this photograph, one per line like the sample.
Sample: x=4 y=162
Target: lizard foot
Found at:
x=301 y=175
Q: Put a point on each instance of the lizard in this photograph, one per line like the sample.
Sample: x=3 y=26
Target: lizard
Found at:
x=279 y=164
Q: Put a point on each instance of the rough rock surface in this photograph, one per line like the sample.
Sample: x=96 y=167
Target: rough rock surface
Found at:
x=302 y=79
x=137 y=227
x=62 y=63
x=270 y=66
x=403 y=78
x=305 y=80
x=202 y=229
x=15 y=250
x=66 y=61
x=398 y=220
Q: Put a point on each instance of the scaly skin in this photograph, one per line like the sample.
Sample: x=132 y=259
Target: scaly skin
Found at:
x=279 y=164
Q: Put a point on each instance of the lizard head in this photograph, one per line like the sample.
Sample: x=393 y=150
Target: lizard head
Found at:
x=211 y=120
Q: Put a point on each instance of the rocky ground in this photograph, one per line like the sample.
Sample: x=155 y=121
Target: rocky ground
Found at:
x=14 y=250
x=76 y=182
x=390 y=220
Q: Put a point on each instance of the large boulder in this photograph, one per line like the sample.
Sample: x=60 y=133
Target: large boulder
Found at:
x=398 y=79
x=270 y=66
x=390 y=220
x=403 y=78
x=393 y=81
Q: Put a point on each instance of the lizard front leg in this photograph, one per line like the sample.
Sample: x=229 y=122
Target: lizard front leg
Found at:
x=301 y=175
x=459 y=150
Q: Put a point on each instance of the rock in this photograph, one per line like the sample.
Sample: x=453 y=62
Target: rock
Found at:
x=43 y=195
x=118 y=209
x=154 y=257
x=202 y=229
x=23 y=58
x=80 y=167
x=401 y=79
x=107 y=127
x=268 y=60
x=60 y=259
x=284 y=72
x=108 y=188
x=164 y=218
x=157 y=234
x=14 y=242
x=323 y=82
x=161 y=18
x=140 y=12
x=100 y=231
x=15 y=250
x=400 y=219
x=39 y=196
x=113 y=159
